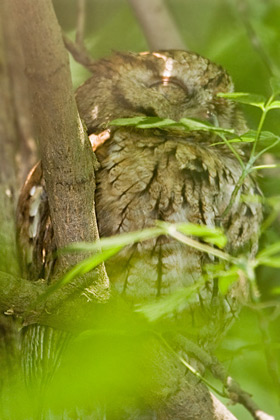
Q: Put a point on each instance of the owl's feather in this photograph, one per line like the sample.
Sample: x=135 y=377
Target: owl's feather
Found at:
x=148 y=175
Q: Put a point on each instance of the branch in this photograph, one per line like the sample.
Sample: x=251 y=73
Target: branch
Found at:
x=20 y=298
x=157 y=24
x=77 y=49
x=19 y=294
x=14 y=93
x=80 y=22
x=9 y=146
x=220 y=411
x=237 y=394
x=67 y=159
x=79 y=53
x=234 y=390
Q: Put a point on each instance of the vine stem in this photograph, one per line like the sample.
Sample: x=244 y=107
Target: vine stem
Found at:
x=253 y=157
x=189 y=367
x=272 y=166
x=233 y=151
x=236 y=189
x=267 y=149
x=265 y=110
x=173 y=232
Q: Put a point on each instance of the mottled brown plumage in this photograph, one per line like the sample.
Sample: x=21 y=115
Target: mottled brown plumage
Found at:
x=148 y=175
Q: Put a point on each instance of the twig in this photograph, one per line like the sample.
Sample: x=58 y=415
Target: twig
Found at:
x=77 y=49
x=253 y=156
x=234 y=391
x=23 y=141
x=237 y=394
x=80 y=22
x=171 y=230
x=157 y=24
x=79 y=54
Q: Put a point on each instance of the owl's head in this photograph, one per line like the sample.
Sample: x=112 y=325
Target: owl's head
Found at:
x=167 y=84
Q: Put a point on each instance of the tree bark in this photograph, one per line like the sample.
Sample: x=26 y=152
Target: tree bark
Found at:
x=9 y=186
x=64 y=148
x=9 y=146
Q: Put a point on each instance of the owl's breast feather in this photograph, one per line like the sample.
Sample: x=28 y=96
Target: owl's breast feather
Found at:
x=143 y=179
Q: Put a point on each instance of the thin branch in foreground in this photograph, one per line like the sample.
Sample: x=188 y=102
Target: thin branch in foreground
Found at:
x=234 y=390
x=154 y=18
x=81 y=13
x=157 y=24
x=77 y=49
x=78 y=53
x=68 y=163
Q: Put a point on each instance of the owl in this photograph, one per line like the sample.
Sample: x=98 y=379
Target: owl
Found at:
x=153 y=174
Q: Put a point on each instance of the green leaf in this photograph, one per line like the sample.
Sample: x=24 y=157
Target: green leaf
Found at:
x=265 y=136
x=128 y=121
x=167 y=305
x=145 y=122
x=214 y=270
x=269 y=250
x=226 y=276
x=154 y=122
x=245 y=98
x=249 y=136
x=211 y=235
x=266 y=139
x=270 y=262
x=179 y=236
x=275 y=85
x=117 y=240
x=194 y=124
x=89 y=264
x=274 y=105
x=83 y=267
x=185 y=124
x=227 y=279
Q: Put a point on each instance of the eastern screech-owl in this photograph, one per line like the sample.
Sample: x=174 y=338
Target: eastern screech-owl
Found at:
x=149 y=175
